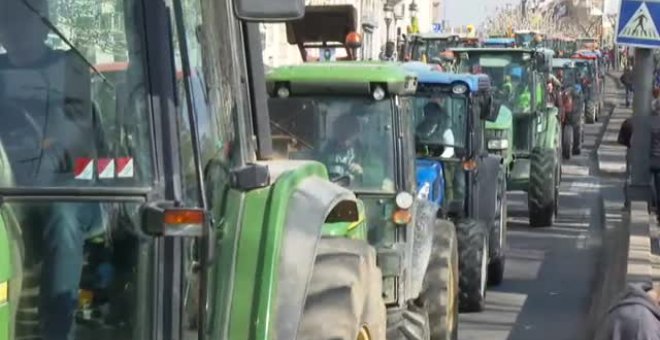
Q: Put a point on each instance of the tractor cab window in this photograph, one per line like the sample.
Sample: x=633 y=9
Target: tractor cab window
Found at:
x=72 y=98
x=511 y=78
x=352 y=136
x=430 y=48
x=441 y=124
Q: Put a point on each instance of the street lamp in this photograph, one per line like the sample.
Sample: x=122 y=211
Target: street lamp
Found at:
x=413 y=9
x=389 y=16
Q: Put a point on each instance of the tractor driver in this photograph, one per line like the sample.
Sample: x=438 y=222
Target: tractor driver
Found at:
x=54 y=232
x=523 y=97
x=436 y=126
x=345 y=155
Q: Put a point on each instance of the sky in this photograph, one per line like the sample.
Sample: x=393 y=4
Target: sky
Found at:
x=474 y=12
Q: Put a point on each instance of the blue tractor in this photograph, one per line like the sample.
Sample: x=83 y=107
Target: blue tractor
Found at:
x=450 y=113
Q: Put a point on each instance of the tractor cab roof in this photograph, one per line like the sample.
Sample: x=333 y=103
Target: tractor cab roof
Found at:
x=436 y=36
x=427 y=75
x=499 y=41
x=563 y=63
x=356 y=78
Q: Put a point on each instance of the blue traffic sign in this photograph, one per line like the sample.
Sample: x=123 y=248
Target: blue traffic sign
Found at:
x=638 y=23
x=437 y=27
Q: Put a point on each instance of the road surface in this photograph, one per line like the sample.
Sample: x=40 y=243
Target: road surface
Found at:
x=549 y=272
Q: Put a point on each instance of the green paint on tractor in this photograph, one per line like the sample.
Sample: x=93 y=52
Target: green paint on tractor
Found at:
x=5 y=275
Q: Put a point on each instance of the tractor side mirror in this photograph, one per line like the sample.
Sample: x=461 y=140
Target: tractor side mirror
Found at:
x=490 y=110
x=269 y=10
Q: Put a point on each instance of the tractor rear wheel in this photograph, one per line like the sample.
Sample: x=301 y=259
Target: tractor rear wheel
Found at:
x=472 y=264
x=498 y=239
x=578 y=137
x=440 y=288
x=541 y=196
x=567 y=140
x=16 y=253
x=344 y=296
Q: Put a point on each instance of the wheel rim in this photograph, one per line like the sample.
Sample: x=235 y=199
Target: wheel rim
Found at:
x=484 y=267
x=364 y=334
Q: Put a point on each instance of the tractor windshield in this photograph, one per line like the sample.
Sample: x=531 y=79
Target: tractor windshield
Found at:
x=441 y=121
x=352 y=136
x=65 y=123
x=510 y=75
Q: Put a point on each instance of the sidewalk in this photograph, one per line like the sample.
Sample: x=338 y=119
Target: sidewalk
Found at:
x=628 y=255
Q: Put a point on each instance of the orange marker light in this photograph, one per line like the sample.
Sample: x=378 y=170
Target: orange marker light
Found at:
x=401 y=216
x=183 y=216
x=469 y=165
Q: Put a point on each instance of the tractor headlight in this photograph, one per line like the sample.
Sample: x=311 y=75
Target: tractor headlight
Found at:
x=424 y=191
x=379 y=93
x=404 y=200
x=459 y=89
x=283 y=92
x=498 y=144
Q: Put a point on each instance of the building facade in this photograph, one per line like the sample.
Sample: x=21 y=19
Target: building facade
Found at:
x=371 y=25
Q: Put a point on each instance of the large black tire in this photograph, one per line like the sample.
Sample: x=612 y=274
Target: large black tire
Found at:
x=578 y=137
x=541 y=196
x=498 y=239
x=440 y=288
x=411 y=323
x=344 y=297
x=17 y=253
x=590 y=112
x=472 y=265
x=567 y=141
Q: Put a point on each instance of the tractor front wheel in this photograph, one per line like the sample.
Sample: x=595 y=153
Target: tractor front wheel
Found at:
x=473 y=264
x=542 y=191
x=344 y=296
x=440 y=288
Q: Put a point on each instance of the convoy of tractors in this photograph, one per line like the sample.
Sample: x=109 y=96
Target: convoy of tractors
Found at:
x=445 y=133
x=362 y=199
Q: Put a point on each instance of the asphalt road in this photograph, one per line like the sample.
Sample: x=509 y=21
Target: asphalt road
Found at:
x=549 y=272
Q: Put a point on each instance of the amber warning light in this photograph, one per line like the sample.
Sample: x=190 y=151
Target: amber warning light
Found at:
x=165 y=219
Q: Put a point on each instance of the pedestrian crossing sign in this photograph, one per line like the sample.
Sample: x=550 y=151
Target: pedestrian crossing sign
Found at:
x=638 y=23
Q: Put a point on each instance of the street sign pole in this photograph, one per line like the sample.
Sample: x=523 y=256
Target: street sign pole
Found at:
x=638 y=27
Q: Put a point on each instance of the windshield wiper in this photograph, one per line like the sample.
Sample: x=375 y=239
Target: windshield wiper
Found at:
x=59 y=34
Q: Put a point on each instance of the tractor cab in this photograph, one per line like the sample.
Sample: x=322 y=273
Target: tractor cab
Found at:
x=519 y=78
x=450 y=114
x=527 y=38
x=357 y=119
x=570 y=101
x=591 y=77
x=326 y=33
x=429 y=47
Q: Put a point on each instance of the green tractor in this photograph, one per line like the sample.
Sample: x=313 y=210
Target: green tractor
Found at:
x=357 y=119
x=529 y=138
x=150 y=208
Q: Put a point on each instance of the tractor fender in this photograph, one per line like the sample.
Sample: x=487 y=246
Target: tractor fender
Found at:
x=313 y=202
x=488 y=174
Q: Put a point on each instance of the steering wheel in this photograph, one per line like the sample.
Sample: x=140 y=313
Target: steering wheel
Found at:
x=338 y=171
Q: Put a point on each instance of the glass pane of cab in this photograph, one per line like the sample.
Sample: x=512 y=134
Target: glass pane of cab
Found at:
x=352 y=136
x=72 y=96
